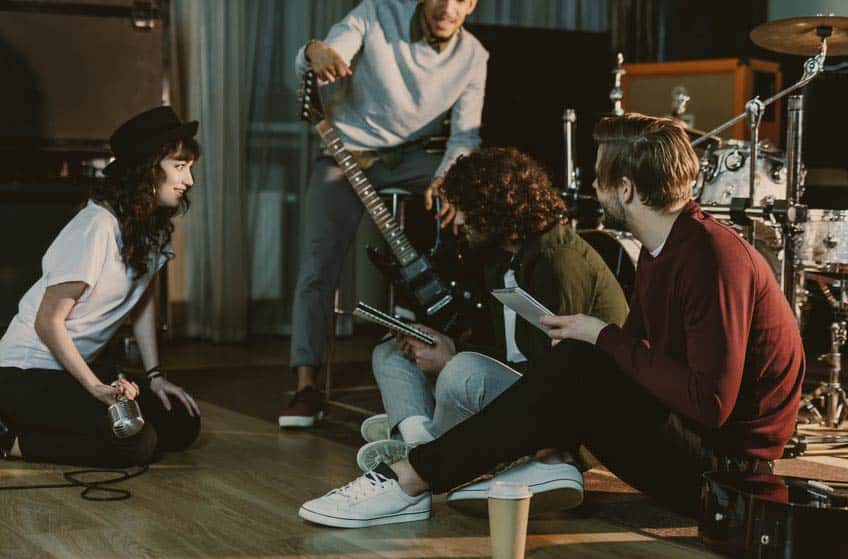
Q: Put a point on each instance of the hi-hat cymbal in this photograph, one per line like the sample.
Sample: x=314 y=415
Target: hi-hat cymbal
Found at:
x=798 y=35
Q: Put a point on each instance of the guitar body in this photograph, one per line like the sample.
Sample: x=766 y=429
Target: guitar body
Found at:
x=435 y=301
x=420 y=281
x=772 y=517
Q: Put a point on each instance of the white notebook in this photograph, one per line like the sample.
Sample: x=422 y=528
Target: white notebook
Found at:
x=523 y=304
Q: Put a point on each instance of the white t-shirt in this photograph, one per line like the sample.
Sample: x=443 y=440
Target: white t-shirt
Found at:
x=88 y=249
x=513 y=354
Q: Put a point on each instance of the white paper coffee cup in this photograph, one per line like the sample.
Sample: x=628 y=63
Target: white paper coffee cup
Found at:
x=509 y=505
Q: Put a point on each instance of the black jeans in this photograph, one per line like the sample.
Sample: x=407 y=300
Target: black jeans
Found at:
x=58 y=421
x=578 y=395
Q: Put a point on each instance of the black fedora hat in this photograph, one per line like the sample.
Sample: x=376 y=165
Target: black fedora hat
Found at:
x=143 y=134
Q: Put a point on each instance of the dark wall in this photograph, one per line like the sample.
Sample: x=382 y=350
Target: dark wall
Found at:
x=715 y=29
x=31 y=215
x=533 y=75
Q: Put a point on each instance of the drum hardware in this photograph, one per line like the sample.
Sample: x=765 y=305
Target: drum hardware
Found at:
x=830 y=394
x=572 y=185
x=813 y=36
x=583 y=210
x=775 y=212
x=814 y=66
x=617 y=94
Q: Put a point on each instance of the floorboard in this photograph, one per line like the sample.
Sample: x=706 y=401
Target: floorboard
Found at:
x=236 y=494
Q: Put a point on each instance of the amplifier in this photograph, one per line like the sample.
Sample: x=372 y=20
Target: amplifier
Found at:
x=718 y=90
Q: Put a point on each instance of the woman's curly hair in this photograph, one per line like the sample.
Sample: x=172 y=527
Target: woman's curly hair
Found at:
x=504 y=193
x=145 y=226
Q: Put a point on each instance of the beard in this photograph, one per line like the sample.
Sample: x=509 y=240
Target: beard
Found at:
x=614 y=216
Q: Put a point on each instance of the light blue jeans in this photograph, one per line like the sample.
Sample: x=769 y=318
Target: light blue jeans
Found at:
x=466 y=384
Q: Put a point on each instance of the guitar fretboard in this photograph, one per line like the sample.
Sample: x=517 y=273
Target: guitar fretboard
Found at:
x=380 y=214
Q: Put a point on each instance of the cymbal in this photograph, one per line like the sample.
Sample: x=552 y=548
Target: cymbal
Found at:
x=797 y=35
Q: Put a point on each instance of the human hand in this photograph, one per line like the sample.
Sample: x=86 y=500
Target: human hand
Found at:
x=163 y=388
x=447 y=212
x=109 y=393
x=428 y=358
x=576 y=326
x=327 y=64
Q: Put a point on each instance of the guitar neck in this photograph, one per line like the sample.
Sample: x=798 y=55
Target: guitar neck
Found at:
x=376 y=207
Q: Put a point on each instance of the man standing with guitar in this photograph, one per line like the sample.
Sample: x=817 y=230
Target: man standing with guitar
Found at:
x=406 y=63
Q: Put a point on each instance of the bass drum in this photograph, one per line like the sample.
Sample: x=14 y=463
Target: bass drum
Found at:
x=724 y=175
x=620 y=251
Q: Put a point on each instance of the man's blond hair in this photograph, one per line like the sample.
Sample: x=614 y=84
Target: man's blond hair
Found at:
x=654 y=153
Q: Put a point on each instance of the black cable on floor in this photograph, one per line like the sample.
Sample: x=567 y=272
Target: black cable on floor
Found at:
x=90 y=488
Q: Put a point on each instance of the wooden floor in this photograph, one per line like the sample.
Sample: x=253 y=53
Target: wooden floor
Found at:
x=236 y=495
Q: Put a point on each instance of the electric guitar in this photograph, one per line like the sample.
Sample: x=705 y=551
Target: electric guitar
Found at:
x=435 y=302
x=769 y=517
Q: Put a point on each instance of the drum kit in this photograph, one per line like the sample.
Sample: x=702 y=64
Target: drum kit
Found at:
x=757 y=189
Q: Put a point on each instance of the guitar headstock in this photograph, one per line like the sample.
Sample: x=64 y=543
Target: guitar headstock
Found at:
x=311 y=108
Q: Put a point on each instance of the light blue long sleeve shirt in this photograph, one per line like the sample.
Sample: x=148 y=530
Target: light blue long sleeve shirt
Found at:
x=401 y=91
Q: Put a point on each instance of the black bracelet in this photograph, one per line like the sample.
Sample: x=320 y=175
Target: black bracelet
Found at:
x=153 y=375
x=152 y=369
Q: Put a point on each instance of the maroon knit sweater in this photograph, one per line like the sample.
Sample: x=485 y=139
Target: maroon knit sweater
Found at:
x=711 y=336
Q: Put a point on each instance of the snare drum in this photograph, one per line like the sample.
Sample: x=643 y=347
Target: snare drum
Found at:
x=620 y=251
x=824 y=243
x=724 y=175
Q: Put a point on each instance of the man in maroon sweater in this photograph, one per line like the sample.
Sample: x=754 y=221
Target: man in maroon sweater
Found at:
x=705 y=374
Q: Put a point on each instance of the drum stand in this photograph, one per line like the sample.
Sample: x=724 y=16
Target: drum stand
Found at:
x=830 y=393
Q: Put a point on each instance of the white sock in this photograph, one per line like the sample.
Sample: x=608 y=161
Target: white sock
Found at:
x=414 y=431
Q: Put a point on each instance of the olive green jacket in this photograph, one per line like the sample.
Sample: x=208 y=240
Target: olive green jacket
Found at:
x=563 y=273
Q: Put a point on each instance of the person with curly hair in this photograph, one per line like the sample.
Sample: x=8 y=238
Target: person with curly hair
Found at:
x=99 y=271
x=510 y=211
x=704 y=375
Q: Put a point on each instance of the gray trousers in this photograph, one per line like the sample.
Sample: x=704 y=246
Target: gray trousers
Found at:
x=466 y=384
x=331 y=218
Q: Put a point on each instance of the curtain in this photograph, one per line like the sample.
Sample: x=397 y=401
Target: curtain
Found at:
x=583 y=15
x=281 y=150
x=637 y=28
x=236 y=75
x=215 y=56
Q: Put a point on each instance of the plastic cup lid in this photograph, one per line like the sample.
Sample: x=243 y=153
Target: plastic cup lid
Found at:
x=509 y=490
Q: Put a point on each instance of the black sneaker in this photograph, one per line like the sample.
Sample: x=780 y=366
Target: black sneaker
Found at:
x=304 y=409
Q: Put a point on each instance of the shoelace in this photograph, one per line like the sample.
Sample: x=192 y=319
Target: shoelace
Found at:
x=364 y=485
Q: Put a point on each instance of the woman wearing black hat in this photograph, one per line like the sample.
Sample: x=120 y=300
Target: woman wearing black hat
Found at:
x=99 y=271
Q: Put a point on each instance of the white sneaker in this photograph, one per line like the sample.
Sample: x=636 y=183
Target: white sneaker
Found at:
x=375 y=428
x=387 y=451
x=554 y=487
x=369 y=500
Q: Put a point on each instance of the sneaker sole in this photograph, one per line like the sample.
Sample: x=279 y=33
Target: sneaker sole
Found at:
x=550 y=496
x=339 y=522
x=366 y=460
x=300 y=420
x=374 y=429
